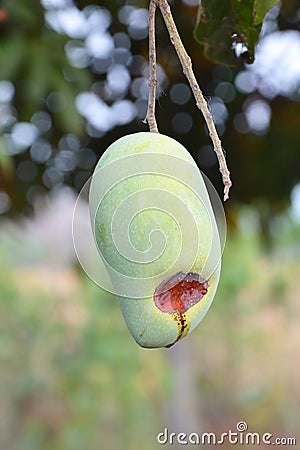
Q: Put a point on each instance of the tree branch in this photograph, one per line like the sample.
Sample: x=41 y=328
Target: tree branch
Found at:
x=150 y=116
x=201 y=103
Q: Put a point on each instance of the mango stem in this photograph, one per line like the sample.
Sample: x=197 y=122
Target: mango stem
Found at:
x=201 y=103
x=150 y=116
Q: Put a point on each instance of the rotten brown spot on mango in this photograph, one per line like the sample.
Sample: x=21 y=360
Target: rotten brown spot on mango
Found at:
x=170 y=296
x=177 y=294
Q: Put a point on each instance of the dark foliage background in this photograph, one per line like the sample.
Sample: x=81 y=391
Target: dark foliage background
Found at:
x=264 y=161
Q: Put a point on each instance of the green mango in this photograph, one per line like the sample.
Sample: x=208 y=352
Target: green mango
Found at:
x=155 y=230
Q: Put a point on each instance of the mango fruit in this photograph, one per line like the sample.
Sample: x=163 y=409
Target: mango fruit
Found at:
x=155 y=229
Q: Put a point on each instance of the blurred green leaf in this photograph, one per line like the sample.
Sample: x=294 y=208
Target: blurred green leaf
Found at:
x=12 y=53
x=6 y=162
x=33 y=58
x=261 y=7
x=225 y=25
x=26 y=14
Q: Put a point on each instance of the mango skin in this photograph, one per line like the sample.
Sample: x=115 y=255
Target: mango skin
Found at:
x=149 y=326
x=152 y=328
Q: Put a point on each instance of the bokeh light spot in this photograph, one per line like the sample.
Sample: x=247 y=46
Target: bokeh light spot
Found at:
x=52 y=177
x=138 y=23
x=5 y=202
x=191 y=2
x=23 y=134
x=218 y=110
x=118 y=79
x=65 y=161
x=295 y=202
x=42 y=120
x=7 y=91
x=41 y=152
x=180 y=93
x=97 y=17
x=122 y=40
x=182 y=122
x=246 y=82
x=77 y=54
x=124 y=111
x=258 y=115
x=69 y=141
x=99 y=44
x=225 y=91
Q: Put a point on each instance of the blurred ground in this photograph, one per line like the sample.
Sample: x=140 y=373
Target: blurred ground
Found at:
x=73 y=378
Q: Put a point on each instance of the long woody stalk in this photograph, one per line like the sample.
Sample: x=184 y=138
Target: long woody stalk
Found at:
x=150 y=116
x=186 y=64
